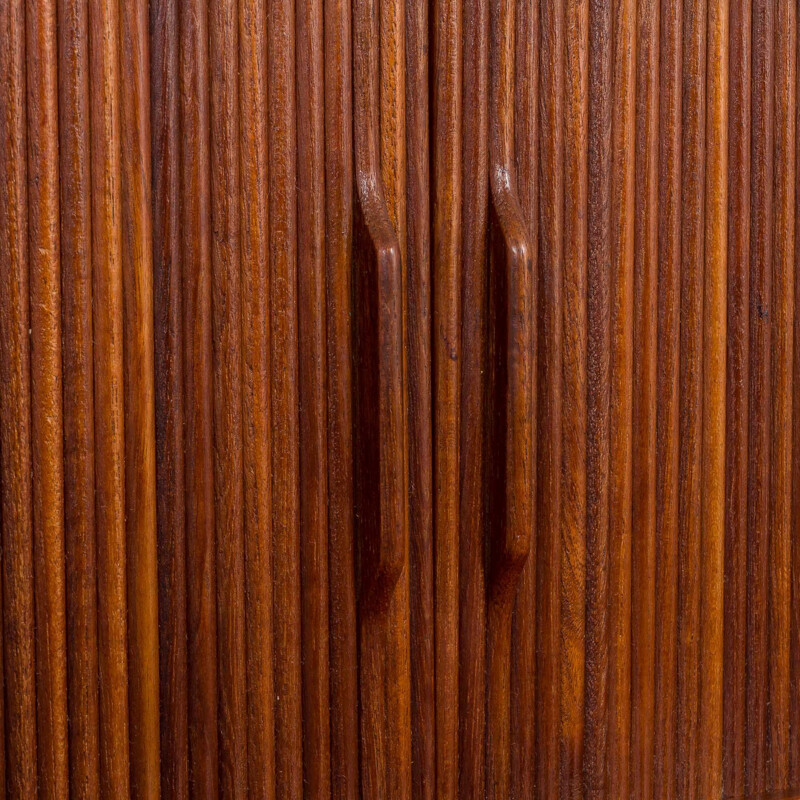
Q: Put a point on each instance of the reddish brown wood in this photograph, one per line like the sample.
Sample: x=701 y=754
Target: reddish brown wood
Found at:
x=198 y=400
x=312 y=387
x=226 y=304
x=573 y=469
x=392 y=119
x=19 y=708
x=549 y=400
x=645 y=404
x=736 y=445
x=667 y=391
x=169 y=401
x=597 y=398
x=278 y=376
x=46 y=398
x=446 y=357
x=523 y=630
x=256 y=400
x=78 y=394
x=761 y=183
x=380 y=508
x=140 y=476
x=691 y=399
x=712 y=544
x=338 y=256
x=108 y=395
x=621 y=400
x=420 y=420
x=794 y=711
x=511 y=375
x=472 y=514
x=283 y=234
x=782 y=318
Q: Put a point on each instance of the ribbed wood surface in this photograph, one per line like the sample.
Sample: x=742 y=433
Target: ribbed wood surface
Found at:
x=399 y=399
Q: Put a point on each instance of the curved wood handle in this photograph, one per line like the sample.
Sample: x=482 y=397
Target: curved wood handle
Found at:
x=378 y=334
x=515 y=289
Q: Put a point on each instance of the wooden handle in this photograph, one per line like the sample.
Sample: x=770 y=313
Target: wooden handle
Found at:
x=378 y=335
x=515 y=290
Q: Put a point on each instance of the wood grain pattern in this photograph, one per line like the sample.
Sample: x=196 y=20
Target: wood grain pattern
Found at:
x=226 y=304
x=511 y=375
x=445 y=376
x=573 y=454
x=523 y=632
x=19 y=708
x=46 y=398
x=782 y=319
x=419 y=366
x=597 y=398
x=472 y=506
x=549 y=396
x=691 y=402
x=169 y=401
x=338 y=285
x=256 y=405
x=621 y=397
x=398 y=399
x=140 y=465
x=709 y=721
x=645 y=404
x=109 y=398
x=668 y=399
x=201 y=572
x=761 y=178
x=78 y=393
x=283 y=233
x=312 y=386
x=736 y=443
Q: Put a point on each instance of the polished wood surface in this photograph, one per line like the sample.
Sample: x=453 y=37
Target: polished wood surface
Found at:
x=399 y=399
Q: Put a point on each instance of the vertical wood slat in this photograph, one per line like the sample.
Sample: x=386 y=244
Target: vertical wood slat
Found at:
x=709 y=720
x=573 y=490
x=109 y=392
x=472 y=513
x=782 y=317
x=445 y=349
x=198 y=400
x=169 y=401
x=256 y=405
x=645 y=405
x=338 y=256
x=283 y=322
x=691 y=398
x=736 y=445
x=794 y=712
x=549 y=400
x=46 y=398
x=312 y=387
x=78 y=388
x=621 y=396
x=420 y=419
x=597 y=397
x=19 y=706
x=759 y=422
x=139 y=400
x=226 y=304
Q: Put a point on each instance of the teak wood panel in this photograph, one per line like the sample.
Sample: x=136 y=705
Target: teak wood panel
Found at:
x=399 y=399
